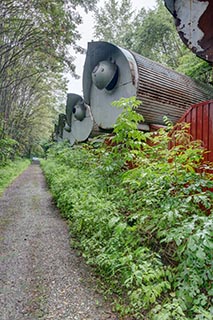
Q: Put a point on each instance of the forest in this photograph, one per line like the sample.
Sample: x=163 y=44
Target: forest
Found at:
x=139 y=213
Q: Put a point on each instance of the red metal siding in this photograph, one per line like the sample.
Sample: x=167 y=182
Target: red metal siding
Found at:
x=201 y=118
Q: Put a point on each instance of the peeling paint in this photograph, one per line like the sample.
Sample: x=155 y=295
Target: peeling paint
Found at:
x=190 y=13
x=194 y=23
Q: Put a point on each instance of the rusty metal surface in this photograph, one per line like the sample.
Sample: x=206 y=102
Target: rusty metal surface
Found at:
x=194 y=23
x=163 y=92
x=200 y=116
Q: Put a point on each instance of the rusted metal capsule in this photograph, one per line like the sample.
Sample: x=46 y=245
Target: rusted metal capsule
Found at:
x=79 y=121
x=194 y=23
x=111 y=72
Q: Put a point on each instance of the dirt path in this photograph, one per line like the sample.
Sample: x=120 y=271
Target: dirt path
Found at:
x=41 y=277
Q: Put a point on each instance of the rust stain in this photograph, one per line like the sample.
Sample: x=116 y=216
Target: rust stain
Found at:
x=198 y=38
x=132 y=70
x=206 y=25
x=164 y=92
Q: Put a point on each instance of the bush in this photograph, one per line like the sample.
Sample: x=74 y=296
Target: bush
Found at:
x=141 y=213
x=8 y=150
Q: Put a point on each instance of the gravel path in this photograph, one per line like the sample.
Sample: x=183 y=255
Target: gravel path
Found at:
x=41 y=276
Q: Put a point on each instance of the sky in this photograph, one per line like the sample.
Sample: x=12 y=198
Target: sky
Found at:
x=86 y=31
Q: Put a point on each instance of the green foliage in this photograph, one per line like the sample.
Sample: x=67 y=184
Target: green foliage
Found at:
x=156 y=37
x=141 y=214
x=126 y=130
x=195 y=67
x=150 y=33
x=119 y=17
x=10 y=171
x=8 y=150
x=35 y=41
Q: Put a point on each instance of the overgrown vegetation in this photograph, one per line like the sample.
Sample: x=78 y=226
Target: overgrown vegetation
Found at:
x=8 y=150
x=10 y=170
x=141 y=214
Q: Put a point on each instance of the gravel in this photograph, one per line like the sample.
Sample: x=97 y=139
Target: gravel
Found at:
x=41 y=276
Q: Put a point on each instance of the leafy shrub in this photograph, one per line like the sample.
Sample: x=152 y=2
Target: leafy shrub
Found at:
x=141 y=213
x=8 y=150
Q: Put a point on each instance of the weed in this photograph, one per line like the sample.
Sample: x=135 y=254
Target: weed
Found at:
x=141 y=214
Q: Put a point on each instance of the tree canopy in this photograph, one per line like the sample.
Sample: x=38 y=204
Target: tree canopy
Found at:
x=119 y=17
x=35 y=41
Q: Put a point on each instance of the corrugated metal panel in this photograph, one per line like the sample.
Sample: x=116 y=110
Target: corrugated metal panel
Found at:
x=164 y=92
x=200 y=116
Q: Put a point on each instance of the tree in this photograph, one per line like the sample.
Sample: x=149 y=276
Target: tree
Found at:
x=114 y=22
x=150 y=33
x=195 y=67
x=156 y=37
x=35 y=37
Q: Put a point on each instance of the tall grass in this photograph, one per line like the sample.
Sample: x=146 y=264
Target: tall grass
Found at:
x=10 y=171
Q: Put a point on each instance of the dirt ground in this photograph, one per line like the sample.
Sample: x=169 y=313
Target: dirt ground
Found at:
x=41 y=276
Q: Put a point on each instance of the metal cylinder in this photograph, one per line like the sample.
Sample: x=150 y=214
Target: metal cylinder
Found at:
x=68 y=137
x=162 y=91
x=79 y=120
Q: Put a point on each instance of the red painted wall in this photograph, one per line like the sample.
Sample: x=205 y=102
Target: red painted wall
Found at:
x=201 y=118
